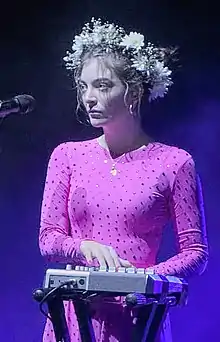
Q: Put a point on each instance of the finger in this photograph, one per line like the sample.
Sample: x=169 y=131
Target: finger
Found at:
x=100 y=257
x=125 y=263
x=108 y=257
x=115 y=257
x=88 y=256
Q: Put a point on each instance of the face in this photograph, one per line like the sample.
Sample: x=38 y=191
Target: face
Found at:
x=102 y=93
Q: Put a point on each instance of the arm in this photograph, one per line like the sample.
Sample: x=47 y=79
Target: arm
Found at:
x=186 y=208
x=55 y=241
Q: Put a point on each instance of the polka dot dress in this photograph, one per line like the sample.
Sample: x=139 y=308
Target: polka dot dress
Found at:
x=128 y=211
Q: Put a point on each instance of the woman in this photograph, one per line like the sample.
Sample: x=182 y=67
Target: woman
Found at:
x=107 y=200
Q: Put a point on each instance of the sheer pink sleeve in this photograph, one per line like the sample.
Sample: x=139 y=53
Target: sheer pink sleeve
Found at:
x=186 y=207
x=54 y=239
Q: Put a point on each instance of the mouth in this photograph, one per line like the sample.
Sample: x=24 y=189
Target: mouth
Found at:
x=96 y=114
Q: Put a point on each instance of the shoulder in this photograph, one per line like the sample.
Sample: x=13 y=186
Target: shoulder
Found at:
x=172 y=161
x=71 y=149
x=178 y=164
x=64 y=148
x=170 y=156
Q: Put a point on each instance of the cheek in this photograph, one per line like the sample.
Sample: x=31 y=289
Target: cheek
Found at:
x=81 y=100
x=115 y=100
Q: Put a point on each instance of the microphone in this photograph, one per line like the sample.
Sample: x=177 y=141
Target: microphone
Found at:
x=21 y=104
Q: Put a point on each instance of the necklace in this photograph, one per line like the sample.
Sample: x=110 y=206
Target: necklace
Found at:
x=113 y=170
x=103 y=144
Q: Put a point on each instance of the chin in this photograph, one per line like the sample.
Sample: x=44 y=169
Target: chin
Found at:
x=98 y=123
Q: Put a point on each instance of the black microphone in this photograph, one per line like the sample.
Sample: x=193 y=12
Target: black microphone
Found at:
x=21 y=104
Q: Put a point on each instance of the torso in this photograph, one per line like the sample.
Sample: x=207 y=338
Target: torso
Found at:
x=127 y=211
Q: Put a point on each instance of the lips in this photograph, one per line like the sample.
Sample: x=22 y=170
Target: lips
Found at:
x=94 y=111
x=96 y=114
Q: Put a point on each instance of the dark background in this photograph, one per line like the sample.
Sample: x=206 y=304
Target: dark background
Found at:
x=34 y=38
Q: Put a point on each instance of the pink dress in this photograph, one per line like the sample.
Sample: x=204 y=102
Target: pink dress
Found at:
x=128 y=211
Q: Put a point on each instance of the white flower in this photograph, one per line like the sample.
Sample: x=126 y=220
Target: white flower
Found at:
x=134 y=40
x=77 y=47
x=140 y=63
x=97 y=38
x=147 y=60
x=161 y=70
x=158 y=90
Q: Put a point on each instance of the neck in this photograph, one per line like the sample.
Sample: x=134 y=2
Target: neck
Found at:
x=123 y=139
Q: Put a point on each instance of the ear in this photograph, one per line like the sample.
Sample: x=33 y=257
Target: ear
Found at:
x=136 y=93
x=132 y=97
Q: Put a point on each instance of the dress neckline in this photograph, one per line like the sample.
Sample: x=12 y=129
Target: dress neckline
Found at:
x=126 y=155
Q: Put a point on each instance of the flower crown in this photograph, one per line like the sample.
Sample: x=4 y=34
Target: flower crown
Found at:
x=149 y=61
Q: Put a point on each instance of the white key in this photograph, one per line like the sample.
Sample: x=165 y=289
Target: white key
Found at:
x=103 y=269
x=69 y=267
x=131 y=270
x=149 y=270
x=140 y=270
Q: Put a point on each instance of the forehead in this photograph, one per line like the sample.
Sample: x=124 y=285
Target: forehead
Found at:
x=96 y=68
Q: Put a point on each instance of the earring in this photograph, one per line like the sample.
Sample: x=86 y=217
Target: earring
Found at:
x=131 y=109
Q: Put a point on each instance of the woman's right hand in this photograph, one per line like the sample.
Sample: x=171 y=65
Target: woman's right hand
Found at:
x=105 y=255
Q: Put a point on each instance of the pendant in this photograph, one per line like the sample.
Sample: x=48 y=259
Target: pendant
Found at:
x=113 y=171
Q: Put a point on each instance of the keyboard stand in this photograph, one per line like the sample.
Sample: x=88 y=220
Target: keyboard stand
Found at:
x=148 y=317
x=84 y=320
x=57 y=314
x=148 y=323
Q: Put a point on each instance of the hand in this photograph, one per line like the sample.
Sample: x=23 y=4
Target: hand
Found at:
x=106 y=255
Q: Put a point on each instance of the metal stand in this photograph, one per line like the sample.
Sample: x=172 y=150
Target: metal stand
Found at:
x=148 y=317
x=148 y=323
x=84 y=320
x=57 y=314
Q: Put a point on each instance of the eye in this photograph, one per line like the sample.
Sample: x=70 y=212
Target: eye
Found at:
x=103 y=86
x=82 y=87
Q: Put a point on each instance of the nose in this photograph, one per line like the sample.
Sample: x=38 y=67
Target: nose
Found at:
x=90 y=99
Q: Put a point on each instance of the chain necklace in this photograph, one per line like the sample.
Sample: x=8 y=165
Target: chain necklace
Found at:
x=113 y=170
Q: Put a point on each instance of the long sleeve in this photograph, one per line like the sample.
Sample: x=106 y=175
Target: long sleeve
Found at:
x=55 y=241
x=187 y=214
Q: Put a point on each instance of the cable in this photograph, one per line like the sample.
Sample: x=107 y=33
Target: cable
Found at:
x=55 y=289
x=85 y=296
